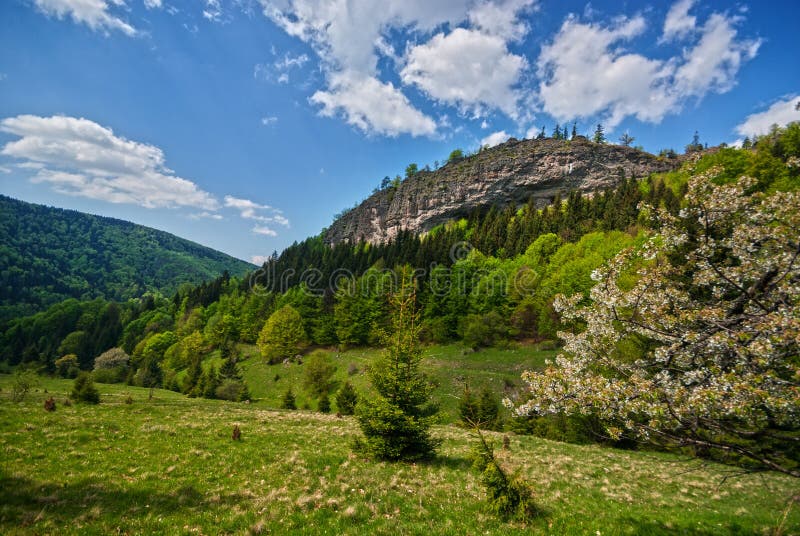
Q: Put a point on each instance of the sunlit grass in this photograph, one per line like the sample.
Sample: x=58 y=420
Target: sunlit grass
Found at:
x=170 y=466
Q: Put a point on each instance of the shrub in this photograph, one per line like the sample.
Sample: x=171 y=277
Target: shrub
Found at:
x=112 y=359
x=324 y=404
x=83 y=390
x=289 y=401
x=482 y=411
x=318 y=374
x=233 y=390
x=484 y=330
x=23 y=382
x=346 y=399
x=510 y=496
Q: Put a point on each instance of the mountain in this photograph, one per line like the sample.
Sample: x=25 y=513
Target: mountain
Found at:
x=49 y=254
x=512 y=172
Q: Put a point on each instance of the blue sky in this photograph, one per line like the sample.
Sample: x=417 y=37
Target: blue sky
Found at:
x=246 y=125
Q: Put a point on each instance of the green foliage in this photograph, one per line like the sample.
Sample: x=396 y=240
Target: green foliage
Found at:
x=599 y=134
x=411 y=170
x=318 y=372
x=455 y=156
x=510 y=496
x=482 y=411
x=346 y=399
x=67 y=366
x=52 y=254
x=484 y=330
x=282 y=335
x=324 y=404
x=23 y=381
x=232 y=390
x=289 y=401
x=83 y=390
x=396 y=422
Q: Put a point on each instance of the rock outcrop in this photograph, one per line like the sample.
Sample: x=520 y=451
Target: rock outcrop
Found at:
x=512 y=172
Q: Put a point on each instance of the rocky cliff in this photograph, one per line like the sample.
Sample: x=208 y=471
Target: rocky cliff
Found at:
x=512 y=172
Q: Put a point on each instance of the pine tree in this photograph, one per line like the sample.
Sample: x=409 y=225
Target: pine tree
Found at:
x=346 y=399
x=542 y=135
x=289 y=401
x=599 y=136
x=574 y=130
x=396 y=423
x=211 y=383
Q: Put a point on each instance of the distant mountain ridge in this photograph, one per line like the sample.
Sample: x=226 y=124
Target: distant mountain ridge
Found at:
x=511 y=172
x=50 y=254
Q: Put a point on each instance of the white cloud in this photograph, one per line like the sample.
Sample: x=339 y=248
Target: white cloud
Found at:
x=585 y=70
x=80 y=157
x=259 y=260
x=495 y=138
x=269 y=120
x=93 y=13
x=501 y=18
x=466 y=68
x=713 y=63
x=780 y=113
x=350 y=36
x=278 y=71
x=678 y=22
x=264 y=230
x=249 y=210
x=372 y=106
x=152 y=4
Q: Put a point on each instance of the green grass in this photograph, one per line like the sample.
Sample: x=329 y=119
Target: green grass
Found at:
x=169 y=466
x=449 y=367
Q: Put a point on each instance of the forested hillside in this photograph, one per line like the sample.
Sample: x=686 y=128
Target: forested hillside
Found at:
x=48 y=255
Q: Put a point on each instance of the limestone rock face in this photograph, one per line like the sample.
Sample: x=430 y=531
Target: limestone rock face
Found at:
x=512 y=172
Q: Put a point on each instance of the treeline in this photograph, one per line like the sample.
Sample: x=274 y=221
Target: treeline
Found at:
x=487 y=279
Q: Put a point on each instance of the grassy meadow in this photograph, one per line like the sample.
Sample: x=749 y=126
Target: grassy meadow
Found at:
x=169 y=466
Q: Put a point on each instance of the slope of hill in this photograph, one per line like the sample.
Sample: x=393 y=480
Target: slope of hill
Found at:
x=513 y=172
x=49 y=254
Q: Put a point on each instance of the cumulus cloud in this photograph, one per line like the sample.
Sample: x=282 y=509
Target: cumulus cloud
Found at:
x=585 y=70
x=212 y=11
x=94 y=13
x=80 y=157
x=678 y=22
x=259 y=260
x=713 y=63
x=152 y=4
x=780 y=113
x=495 y=138
x=350 y=36
x=501 y=18
x=466 y=68
x=372 y=106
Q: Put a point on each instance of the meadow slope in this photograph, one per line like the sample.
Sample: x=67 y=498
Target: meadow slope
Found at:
x=169 y=466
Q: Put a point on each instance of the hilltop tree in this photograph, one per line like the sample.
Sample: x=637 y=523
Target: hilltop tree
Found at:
x=542 y=135
x=411 y=170
x=396 y=422
x=599 y=135
x=626 y=140
x=574 y=130
x=695 y=146
x=282 y=335
x=455 y=155
x=557 y=132
x=691 y=339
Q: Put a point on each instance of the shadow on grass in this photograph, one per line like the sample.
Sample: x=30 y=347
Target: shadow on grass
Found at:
x=658 y=528
x=455 y=463
x=25 y=502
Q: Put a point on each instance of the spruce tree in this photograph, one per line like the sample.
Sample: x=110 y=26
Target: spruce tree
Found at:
x=599 y=136
x=289 y=401
x=346 y=399
x=396 y=423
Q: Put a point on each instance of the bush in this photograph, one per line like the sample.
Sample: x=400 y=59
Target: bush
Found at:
x=112 y=359
x=318 y=375
x=83 y=390
x=324 y=404
x=289 y=401
x=115 y=375
x=484 y=330
x=510 y=497
x=23 y=382
x=346 y=399
x=233 y=390
x=482 y=411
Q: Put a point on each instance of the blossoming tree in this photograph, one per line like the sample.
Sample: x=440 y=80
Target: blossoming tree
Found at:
x=693 y=338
